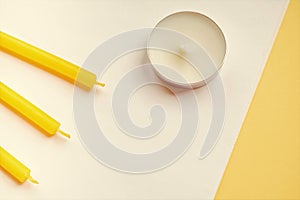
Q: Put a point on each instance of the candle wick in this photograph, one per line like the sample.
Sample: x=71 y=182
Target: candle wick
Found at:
x=100 y=84
x=32 y=180
x=182 y=50
x=64 y=134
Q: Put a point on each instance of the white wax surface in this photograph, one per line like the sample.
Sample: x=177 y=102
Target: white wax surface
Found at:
x=194 y=58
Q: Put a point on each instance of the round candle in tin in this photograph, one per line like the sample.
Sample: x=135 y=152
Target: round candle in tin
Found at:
x=186 y=49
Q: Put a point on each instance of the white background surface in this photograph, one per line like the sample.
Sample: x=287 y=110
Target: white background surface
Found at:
x=72 y=29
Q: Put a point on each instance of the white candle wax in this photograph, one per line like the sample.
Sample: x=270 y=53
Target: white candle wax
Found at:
x=186 y=49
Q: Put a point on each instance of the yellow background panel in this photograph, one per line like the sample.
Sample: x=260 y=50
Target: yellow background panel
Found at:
x=265 y=163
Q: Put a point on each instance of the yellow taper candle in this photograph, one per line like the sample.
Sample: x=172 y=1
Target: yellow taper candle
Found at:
x=30 y=112
x=48 y=62
x=14 y=167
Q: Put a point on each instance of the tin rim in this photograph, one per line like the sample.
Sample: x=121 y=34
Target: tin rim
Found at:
x=188 y=85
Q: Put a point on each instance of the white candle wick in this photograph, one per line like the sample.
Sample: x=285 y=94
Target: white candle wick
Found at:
x=182 y=50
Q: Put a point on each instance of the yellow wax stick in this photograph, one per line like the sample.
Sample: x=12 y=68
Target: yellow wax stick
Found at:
x=14 y=167
x=30 y=112
x=49 y=62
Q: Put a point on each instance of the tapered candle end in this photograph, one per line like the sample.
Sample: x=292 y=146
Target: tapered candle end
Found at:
x=100 y=84
x=64 y=134
x=32 y=180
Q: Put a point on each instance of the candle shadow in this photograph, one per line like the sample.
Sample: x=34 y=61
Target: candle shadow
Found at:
x=98 y=90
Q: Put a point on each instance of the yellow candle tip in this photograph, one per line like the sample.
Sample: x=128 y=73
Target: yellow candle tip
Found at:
x=64 y=134
x=33 y=180
x=101 y=84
